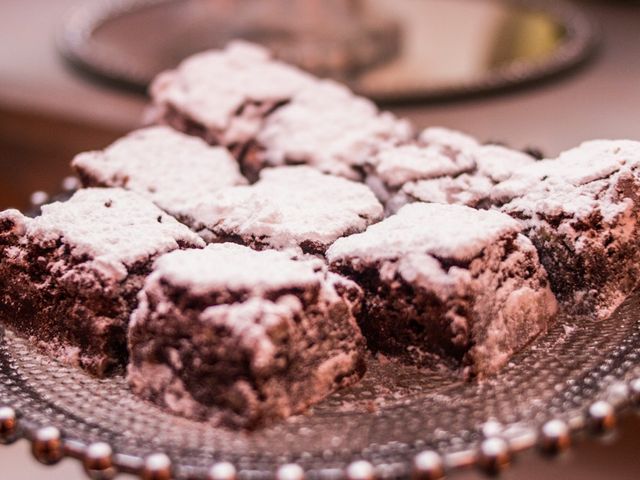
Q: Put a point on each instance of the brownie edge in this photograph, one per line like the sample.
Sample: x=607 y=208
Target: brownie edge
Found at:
x=447 y=284
x=69 y=278
x=238 y=337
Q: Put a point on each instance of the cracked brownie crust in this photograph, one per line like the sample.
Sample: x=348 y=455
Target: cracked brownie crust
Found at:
x=272 y=114
x=224 y=95
x=327 y=127
x=581 y=211
x=289 y=207
x=239 y=337
x=69 y=278
x=472 y=186
x=171 y=169
x=447 y=283
x=441 y=166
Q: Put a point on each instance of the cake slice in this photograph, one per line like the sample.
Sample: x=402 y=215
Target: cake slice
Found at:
x=447 y=283
x=240 y=337
x=269 y=113
x=289 y=207
x=581 y=212
x=69 y=278
x=171 y=169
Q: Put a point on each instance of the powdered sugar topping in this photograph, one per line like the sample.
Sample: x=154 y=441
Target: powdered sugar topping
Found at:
x=579 y=182
x=465 y=189
x=113 y=227
x=327 y=126
x=212 y=86
x=499 y=163
x=289 y=206
x=445 y=137
x=170 y=168
x=396 y=166
x=445 y=231
x=251 y=322
x=228 y=266
x=589 y=162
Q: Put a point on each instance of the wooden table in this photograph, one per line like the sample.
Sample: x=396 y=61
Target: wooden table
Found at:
x=49 y=112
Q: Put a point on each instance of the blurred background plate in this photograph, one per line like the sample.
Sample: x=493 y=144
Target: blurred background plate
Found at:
x=387 y=50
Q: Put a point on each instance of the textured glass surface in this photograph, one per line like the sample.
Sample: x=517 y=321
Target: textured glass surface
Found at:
x=395 y=412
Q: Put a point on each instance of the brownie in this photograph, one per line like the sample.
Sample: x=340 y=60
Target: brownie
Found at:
x=581 y=212
x=69 y=277
x=447 y=284
x=492 y=161
x=329 y=128
x=289 y=207
x=224 y=95
x=493 y=164
x=171 y=169
x=443 y=166
x=395 y=167
x=467 y=189
x=239 y=337
x=269 y=113
x=446 y=137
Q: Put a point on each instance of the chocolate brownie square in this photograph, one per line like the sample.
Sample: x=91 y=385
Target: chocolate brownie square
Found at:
x=581 y=212
x=394 y=167
x=69 y=278
x=269 y=113
x=171 y=169
x=329 y=128
x=493 y=164
x=443 y=167
x=467 y=189
x=224 y=95
x=240 y=337
x=447 y=283
x=289 y=207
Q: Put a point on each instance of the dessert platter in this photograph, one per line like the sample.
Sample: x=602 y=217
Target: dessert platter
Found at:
x=275 y=279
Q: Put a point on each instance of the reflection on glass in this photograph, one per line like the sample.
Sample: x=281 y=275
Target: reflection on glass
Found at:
x=382 y=48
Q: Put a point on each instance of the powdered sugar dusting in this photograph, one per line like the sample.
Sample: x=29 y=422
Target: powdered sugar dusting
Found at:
x=424 y=270
x=464 y=189
x=446 y=231
x=228 y=266
x=499 y=163
x=396 y=166
x=168 y=167
x=114 y=227
x=212 y=86
x=493 y=164
x=445 y=137
x=589 y=162
x=328 y=127
x=250 y=322
x=579 y=182
x=289 y=206
x=443 y=166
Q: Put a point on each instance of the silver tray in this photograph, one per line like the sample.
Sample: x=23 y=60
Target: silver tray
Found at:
x=507 y=43
x=398 y=421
